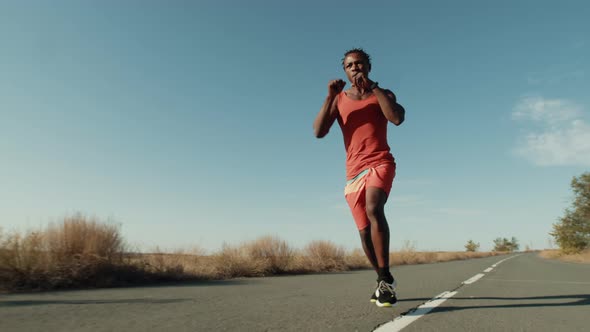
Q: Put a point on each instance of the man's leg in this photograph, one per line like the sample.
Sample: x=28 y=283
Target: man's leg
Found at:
x=375 y=205
x=368 y=248
x=356 y=198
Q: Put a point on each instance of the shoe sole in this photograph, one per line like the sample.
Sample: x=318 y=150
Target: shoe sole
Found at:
x=385 y=305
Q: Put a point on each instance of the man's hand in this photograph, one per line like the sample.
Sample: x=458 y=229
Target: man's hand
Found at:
x=335 y=87
x=362 y=82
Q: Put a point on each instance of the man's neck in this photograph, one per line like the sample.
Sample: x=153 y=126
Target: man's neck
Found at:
x=358 y=91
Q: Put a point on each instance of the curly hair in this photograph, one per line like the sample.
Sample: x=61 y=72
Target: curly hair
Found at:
x=362 y=53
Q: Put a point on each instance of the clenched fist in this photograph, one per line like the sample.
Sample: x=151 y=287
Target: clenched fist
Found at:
x=362 y=82
x=335 y=87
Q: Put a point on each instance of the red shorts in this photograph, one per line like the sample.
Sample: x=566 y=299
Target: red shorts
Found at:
x=379 y=176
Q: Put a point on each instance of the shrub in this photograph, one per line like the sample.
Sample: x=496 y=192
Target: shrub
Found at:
x=505 y=245
x=471 y=246
x=234 y=261
x=79 y=251
x=321 y=255
x=272 y=253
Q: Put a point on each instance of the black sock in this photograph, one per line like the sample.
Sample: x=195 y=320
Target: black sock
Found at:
x=385 y=275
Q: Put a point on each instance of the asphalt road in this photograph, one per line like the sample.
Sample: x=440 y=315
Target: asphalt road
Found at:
x=523 y=293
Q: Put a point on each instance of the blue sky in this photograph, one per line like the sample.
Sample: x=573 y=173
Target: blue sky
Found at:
x=190 y=123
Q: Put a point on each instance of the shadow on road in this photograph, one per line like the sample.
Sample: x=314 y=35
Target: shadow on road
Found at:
x=206 y=283
x=187 y=283
x=89 y=293
x=22 y=303
x=578 y=300
x=583 y=296
x=556 y=297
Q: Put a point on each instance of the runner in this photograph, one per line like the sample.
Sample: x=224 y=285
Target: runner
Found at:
x=363 y=112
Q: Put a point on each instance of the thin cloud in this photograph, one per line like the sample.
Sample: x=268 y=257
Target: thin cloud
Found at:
x=553 y=78
x=562 y=138
x=546 y=110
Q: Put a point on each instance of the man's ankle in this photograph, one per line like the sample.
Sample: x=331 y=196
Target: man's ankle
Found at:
x=384 y=275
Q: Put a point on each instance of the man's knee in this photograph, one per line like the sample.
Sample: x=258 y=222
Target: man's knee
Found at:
x=375 y=203
x=376 y=215
x=375 y=211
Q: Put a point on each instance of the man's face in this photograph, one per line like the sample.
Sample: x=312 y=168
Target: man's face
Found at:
x=355 y=64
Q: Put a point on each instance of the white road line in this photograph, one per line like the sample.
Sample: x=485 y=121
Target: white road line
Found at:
x=498 y=263
x=505 y=259
x=479 y=275
x=403 y=321
x=473 y=279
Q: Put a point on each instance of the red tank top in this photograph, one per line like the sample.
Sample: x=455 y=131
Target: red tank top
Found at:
x=364 y=128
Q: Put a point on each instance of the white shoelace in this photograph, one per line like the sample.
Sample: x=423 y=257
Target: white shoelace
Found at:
x=385 y=287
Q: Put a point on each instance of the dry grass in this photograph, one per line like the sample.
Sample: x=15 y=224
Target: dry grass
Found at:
x=80 y=251
x=550 y=253
x=232 y=262
x=411 y=258
x=273 y=254
x=176 y=265
x=320 y=256
x=581 y=257
x=84 y=252
x=356 y=260
x=408 y=255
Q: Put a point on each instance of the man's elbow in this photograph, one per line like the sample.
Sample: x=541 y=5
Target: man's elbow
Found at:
x=401 y=116
x=396 y=118
x=319 y=133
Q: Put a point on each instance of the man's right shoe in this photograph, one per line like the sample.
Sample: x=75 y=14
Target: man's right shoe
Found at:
x=374 y=295
x=385 y=294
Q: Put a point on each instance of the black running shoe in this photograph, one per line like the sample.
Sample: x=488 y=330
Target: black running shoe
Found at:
x=385 y=294
x=374 y=295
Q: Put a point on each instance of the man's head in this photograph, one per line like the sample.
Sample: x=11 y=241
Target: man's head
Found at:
x=356 y=61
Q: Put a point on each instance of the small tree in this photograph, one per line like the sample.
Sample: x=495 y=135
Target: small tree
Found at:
x=500 y=244
x=503 y=244
x=471 y=246
x=572 y=232
x=514 y=246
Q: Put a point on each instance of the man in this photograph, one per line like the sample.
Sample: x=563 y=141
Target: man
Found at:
x=363 y=112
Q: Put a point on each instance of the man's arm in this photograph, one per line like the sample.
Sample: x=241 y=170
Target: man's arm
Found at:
x=393 y=111
x=327 y=115
x=325 y=118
